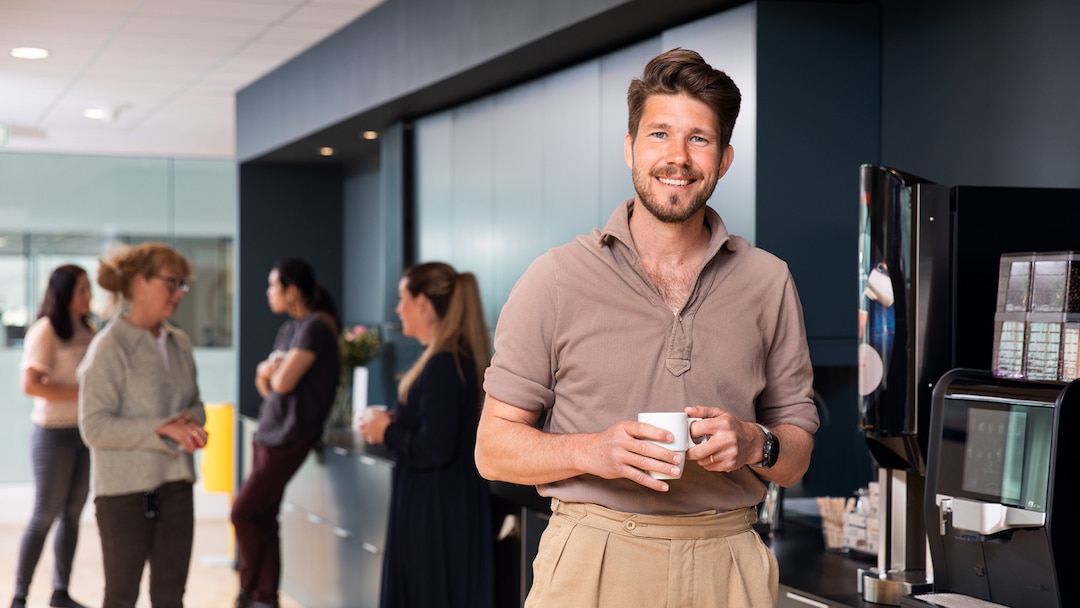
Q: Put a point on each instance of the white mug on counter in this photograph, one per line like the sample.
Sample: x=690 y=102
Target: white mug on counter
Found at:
x=365 y=413
x=678 y=423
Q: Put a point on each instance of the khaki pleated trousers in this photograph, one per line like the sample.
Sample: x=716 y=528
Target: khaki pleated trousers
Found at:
x=591 y=556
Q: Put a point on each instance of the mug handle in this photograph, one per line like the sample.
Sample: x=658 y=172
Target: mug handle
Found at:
x=695 y=440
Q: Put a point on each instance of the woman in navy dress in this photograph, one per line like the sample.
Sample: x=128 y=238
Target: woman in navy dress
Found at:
x=439 y=547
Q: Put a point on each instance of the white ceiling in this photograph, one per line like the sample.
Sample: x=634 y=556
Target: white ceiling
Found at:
x=167 y=71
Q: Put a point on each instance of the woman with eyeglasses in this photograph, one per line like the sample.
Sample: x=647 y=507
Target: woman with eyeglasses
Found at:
x=141 y=414
x=53 y=347
x=297 y=381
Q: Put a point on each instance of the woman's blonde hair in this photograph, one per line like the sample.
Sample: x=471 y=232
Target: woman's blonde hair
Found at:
x=117 y=268
x=461 y=331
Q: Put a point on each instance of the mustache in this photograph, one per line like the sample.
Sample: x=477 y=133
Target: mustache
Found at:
x=677 y=172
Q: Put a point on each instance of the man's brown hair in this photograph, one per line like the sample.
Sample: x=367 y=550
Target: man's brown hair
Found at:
x=682 y=71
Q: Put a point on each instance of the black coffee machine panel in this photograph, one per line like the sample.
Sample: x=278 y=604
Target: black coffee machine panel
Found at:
x=996 y=517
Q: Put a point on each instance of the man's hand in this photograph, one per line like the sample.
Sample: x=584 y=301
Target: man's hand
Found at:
x=510 y=448
x=735 y=443
x=732 y=443
x=626 y=451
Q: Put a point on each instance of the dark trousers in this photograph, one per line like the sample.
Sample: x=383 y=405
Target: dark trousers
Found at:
x=61 y=463
x=255 y=517
x=130 y=537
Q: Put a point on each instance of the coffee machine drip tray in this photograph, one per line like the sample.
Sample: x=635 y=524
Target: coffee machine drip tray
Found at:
x=947 y=600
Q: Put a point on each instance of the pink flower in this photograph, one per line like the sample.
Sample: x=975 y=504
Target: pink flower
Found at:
x=359 y=345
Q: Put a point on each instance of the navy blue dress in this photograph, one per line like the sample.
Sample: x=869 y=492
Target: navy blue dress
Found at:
x=439 y=546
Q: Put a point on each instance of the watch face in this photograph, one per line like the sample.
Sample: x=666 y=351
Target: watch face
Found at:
x=770 y=450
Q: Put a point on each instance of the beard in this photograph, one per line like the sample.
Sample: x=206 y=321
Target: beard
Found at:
x=670 y=211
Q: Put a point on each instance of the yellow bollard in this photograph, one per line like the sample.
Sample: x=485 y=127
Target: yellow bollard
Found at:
x=217 y=463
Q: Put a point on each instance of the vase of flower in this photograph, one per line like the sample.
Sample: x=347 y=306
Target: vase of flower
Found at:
x=359 y=346
x=341 y=412
x=359 y=388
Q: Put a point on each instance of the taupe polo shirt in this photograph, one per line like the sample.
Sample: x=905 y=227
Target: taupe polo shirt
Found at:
x=585 y=335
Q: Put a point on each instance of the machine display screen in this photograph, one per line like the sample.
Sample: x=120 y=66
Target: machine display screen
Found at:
x=994 y=454
x=997 y=451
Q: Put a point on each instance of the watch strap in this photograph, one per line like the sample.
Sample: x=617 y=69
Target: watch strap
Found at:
x=770 y=449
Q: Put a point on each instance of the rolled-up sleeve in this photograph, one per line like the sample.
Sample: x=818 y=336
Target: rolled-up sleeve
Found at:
x=522 y=370
x=788 y=397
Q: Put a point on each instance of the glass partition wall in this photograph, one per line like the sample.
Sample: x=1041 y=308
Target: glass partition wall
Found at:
x=70 y=209
x=26 y=260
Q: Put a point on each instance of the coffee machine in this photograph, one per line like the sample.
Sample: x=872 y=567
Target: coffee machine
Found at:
x=929 y=258
x=996 y=512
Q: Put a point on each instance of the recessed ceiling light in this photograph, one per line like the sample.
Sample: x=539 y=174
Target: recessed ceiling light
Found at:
x=94 y=113
x=29 y=52
x=326 y=151
x=370 y=135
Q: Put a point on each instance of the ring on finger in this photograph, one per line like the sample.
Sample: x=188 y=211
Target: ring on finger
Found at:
x=711 y=461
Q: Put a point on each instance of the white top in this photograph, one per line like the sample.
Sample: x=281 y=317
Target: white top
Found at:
x=44 y=351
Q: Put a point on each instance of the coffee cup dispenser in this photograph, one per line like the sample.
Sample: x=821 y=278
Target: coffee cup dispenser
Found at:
x=996 y=512
x=905 y=330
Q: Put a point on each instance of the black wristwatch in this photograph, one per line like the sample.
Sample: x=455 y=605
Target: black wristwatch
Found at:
x=770 y=450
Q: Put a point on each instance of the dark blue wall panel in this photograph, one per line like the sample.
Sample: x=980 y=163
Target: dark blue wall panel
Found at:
x=284 y=212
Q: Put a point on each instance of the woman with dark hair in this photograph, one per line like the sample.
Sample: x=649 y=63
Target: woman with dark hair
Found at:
x=141 y=414
x=439 y=547
x=297 y=382
x=53 y=347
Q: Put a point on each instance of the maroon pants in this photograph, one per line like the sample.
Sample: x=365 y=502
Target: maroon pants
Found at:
x=255 y=517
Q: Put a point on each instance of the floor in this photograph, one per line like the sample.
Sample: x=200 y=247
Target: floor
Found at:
x=212 y=581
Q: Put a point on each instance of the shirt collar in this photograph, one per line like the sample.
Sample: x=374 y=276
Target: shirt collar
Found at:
x=130 y=334
x=618 y=228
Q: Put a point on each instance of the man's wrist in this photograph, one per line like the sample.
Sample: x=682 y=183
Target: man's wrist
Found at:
x=770 y=449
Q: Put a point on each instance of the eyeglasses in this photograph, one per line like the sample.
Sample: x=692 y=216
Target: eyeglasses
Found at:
x=173 y=282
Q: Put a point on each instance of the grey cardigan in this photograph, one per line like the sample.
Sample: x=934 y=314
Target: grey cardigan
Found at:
x=126 y=393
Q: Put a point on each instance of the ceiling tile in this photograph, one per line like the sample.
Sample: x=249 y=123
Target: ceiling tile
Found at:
x=172 y=66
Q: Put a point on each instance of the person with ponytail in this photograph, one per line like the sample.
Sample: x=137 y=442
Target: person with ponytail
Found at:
x=297 y=381
x=53 y=347
x=439 y=547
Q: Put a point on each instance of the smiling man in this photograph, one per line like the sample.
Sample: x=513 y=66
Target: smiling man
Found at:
x=662 y=310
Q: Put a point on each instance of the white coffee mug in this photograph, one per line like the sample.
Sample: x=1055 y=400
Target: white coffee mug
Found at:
x=366 y=413
x=678 y=423
x=879 y=288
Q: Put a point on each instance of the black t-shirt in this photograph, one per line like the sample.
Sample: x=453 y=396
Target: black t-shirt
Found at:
x=302 y=413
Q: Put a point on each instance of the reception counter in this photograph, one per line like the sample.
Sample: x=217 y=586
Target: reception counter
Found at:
x=333 y=524
x=334 y=519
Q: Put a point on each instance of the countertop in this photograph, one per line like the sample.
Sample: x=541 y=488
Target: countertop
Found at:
x=346 y=439
x=806 y=566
